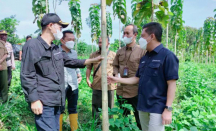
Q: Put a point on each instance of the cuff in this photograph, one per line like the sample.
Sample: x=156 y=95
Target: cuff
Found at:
x=172 y=78
x=33 y=97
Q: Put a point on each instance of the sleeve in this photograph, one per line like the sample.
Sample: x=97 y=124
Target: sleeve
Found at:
x=72 y=63
x=28 y=75
x=12 y=57
x=90 y=65
x=78 y=71
x=116 y=64
x=171 y=67
x=137 y=73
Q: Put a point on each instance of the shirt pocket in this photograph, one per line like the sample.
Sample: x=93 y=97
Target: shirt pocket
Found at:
x=121 y=57
x=44 y=65
x=59 y=60
x=153 y=69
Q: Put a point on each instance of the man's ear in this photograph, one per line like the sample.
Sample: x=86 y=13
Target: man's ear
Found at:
x=62 y=41
x=135 y=34
x=50 y=25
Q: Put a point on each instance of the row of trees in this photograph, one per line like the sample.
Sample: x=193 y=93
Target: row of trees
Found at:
x=188 y=43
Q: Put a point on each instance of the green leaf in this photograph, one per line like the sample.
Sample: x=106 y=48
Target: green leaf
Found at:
x=193 y=128
x=109 y=2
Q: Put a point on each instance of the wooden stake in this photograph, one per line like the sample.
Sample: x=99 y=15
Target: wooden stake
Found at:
x=105 y=120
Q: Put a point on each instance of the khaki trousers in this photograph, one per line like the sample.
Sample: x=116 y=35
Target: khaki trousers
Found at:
x=151 y=121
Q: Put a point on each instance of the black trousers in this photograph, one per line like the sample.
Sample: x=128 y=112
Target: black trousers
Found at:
x=133 y=102
x=97 y=101
x=3 y=85
x=72 y=97
x=9 y=70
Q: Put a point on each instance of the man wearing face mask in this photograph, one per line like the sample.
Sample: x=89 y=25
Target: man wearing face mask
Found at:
x=126 y=63
x=72 y=79
x=96 y=85
x=42 y=73
x=156 y=75
x=10 y=58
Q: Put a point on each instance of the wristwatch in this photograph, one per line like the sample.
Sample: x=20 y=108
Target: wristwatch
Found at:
x=169 y=108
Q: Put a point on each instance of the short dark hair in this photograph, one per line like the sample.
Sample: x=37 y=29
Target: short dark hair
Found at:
x=135 y=29
x=43 y=27
x=154 y=28
x=28 y=37
x=67 y=31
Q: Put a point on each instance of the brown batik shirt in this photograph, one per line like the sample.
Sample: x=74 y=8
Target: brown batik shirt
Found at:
x=127 y=57
x=96 y=84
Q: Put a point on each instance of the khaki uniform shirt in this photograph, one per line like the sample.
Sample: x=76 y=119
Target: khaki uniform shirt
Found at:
x=96 y=85
x=127 y=57
x=3 y=51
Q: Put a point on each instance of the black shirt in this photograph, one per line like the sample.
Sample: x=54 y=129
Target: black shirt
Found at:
x=42 y=72
x=155 y=69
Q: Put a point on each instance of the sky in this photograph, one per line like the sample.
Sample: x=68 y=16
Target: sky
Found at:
x=194 y=14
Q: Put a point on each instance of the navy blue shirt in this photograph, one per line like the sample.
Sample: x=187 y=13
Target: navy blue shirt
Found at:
x=155 y=69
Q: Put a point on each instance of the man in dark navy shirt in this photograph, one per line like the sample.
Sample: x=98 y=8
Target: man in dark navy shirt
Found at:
x=156 y=75
x=42 y=73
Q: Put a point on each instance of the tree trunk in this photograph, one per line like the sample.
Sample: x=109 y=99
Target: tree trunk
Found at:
x=47 y=9
x=76 y=41
x=119 y=34
x=175 y=41
x=207 y=57
x=92 y=47
x=167 y=31
x=152 y=15
x=105 y=120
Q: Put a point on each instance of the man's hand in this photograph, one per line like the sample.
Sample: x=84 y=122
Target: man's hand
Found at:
x=111 y=79
x=79 y=79
x=13 y=68
x=97 y=59
x=1 y=67
x=166 y=117
x=94 y=60
x=89 y=83
x=37 y=107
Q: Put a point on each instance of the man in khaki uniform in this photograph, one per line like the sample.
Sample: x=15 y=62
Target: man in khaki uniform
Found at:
x=3 y=72
x=126 y=63
x=96 y=85
x=10 y=57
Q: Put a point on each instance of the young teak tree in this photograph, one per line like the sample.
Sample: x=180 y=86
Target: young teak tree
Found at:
x=74 y=7
x=119 y=9
x=39 y=8
x=176 y=18
x=209 y=37
x=109 y=24
x=145 y=9
x=95 y=21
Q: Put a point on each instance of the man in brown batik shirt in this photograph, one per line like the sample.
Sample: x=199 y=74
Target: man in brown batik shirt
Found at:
x=96 y=85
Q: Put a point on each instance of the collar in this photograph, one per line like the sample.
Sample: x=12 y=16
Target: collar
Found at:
x=131 y=48
x=158 y=48
x=60 y=47
x=44 y=43
x=98 y=52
